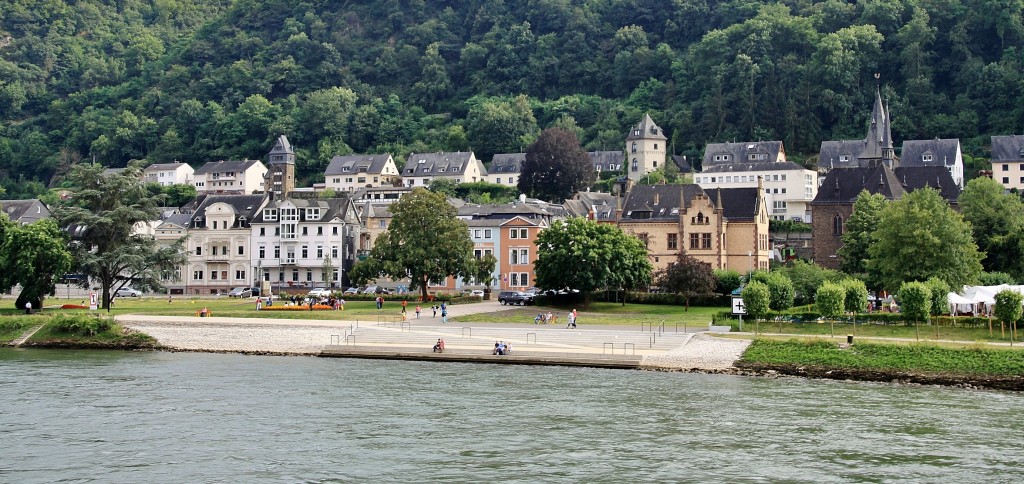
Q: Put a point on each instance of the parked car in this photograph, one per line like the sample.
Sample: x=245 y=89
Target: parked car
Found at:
x=477 y=293
x=319 y=292
x=351 y=290
x=128 y=292
x=515 y=297
x=370 y=290
x=256 y=291
x=241 y=293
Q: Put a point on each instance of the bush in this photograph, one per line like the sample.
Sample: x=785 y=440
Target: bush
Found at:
x=82 y=324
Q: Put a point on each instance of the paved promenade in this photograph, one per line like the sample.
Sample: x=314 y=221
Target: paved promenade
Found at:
x=416 y=337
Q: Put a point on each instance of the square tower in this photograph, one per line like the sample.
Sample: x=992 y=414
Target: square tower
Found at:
x=645 y=149
x=280 y=179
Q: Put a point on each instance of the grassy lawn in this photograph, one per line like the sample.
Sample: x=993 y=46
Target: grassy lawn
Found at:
x=924 y=332
x=603 y=313
x=866 y=356
x=13 y=326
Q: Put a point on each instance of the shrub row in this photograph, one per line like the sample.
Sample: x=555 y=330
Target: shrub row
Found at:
x=724 y=317
x=82 y=324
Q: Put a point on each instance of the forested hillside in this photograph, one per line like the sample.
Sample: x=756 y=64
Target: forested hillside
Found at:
x=201 y=80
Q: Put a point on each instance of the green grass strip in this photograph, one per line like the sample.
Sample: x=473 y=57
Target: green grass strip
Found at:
x=909 y=358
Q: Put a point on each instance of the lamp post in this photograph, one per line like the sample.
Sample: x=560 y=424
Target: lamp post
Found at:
x=750 y=262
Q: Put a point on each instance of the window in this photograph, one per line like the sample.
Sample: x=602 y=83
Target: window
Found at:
x=214 y=248
x=926 y=158
x=334 y=230
x=700 y=219
x=382 y=224
x=239 y=275
x=241 y=250
x=334 y=252
x=289 y=214
x=309 y=275
x=1006 y=167
x=305 y=231
x=673 y=241
x=487 y=233
x=517 y=234
x=199 y=250
x=844 y=158
x=213 y=275
x=295 y=275
x=519 y=256
x=305 y=251
x=778 y=206
x=263 y=252
x=319 y=230
x=1006 y=181
x=644 y=238
x=519 y=279
x=197 y=275
x=270 y=214
x=636 y=166
x=277 y=251
x=633 y=150
x=694 y=241
x=214 y=224
x=263 y=231
x=837 y=224
x=476 y=233
x=319 y=252
x=705 y=241
x=277 y=231
x=288 y=231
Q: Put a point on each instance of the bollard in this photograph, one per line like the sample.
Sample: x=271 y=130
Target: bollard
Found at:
x=849 y=339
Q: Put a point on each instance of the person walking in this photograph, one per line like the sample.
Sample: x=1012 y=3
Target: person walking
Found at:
x=404 y=304
x=444 y=314
x=417 y=311
x=28 y=307
x=433 y=307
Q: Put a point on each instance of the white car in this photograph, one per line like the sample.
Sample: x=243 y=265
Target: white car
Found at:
x=319 y=292
x=128 y=292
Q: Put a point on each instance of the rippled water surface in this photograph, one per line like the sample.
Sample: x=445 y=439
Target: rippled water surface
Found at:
x=189 y=417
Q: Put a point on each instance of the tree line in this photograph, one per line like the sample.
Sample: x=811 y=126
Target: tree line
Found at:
x=201 y=80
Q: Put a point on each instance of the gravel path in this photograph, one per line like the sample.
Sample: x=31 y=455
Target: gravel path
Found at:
x=701 y=352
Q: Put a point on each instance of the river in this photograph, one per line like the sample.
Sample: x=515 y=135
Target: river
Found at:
x=82 y=416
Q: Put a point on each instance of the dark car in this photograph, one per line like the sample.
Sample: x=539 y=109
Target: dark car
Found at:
x=515 y=298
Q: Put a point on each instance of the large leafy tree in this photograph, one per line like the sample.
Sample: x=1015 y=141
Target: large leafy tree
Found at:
x=33 y=256
x=920 y=237
x=581 y=254
x=425 y=242
x=555 y=166
x=497 y=125
x=687 y=276
x=998 y=222
x=101 y=215
x=859 y=232
x=780 y=289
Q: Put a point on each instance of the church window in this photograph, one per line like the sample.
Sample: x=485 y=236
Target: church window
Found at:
x=636 y=165
x=634 y=147
x=837 y=224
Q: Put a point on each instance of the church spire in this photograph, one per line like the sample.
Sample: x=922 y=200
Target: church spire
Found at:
x=878 y=142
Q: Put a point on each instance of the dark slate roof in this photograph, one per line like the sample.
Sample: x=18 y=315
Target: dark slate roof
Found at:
x=842 y=185
x=507 y=210
x=329 y=209
x=179 y=219
x=682 y=163
x=1008 y=148
x=350 y=164
x=22 y=210
x=937 y=177
x=737 y=203
x=647 y=129
x=282 y=147
x=485 y=222
x=606 y=160
x=164 y=166
x=753 y=166
x=236 y=166
x=245 y=206
x=942 y=152
x=580 y=205
x=506 y=163
x=742 y=152
x=432 y=164
x=832 y=152
x=658 y=201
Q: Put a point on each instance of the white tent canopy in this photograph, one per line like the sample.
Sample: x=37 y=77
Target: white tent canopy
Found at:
x=973 y=296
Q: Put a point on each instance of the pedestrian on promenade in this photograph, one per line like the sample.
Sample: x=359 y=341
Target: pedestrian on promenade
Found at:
x=380 y=302
x=433 y=307
x=404 y=304
x=28 y=307
x=259 y=303
x=417 y=311
x=444 y=314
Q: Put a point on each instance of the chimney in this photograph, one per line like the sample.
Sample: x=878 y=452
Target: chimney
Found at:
x=657 y=198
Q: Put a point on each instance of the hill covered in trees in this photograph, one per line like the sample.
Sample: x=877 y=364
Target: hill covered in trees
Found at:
x=201 y=80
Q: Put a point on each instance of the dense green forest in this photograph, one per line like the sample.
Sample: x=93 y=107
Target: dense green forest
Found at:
x=202 y=80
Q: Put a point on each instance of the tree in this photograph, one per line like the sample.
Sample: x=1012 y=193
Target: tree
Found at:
x=807 y=277
x=556 y=167
x=938 y=292
x=915 y=301
x=998 y=222
x=1008 y=308
x=780 y=289
x=425 y=242
x=830 y=300
x=757 y=299
x=856 y=299
x=500 y=126
x=33 y=256
x=582 y=254
x=859 y=232
x=687 y=276
x=728 y=281
x=483 y=270
x=101 y=215
x=921 y=237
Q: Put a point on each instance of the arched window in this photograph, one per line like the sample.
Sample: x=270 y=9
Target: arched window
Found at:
x=837 y=224
x=634 y=147
x=636 y=166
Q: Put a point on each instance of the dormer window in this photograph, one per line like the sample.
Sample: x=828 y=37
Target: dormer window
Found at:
x=455 y=169
x=722 y=157
x=844 y=158
x=313 y=213
x=926 y=158
x=636 y=133
x=1021 y=152
x=344 y=169
x=421 y=161
x=654 y=130
x=440 y=170
x=270 y=214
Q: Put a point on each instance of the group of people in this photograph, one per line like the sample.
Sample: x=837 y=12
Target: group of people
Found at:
x=334 y=302
x=502 y=348
x=439 y=346
x=550 y=318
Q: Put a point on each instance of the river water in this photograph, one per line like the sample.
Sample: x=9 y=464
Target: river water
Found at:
x=192 y=417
